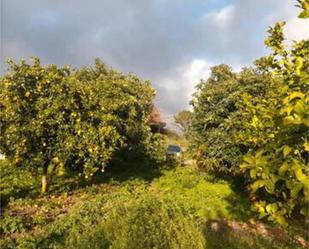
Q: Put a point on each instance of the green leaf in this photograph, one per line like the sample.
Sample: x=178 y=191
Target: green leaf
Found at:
x=253 y=173
x=300 y=176
x=257 y=184
x=284 y=167
x=296 y=189
x=292 y=96
x=272 y=208
x=299 y=65
x=281 y=220
x=286 y=150
x=269 y=186
x=306 y=146
x=305 y=210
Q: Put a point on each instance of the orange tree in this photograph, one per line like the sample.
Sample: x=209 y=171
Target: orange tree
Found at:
x=215 y=121
x=276 y=126
x=52 y=118
x=255 y=123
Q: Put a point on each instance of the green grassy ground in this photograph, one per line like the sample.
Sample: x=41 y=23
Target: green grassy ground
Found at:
x=177 y=208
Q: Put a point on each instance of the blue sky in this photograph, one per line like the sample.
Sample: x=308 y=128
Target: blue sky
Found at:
x=172 y=43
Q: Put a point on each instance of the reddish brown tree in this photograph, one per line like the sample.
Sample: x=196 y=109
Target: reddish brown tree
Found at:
x=156 y=121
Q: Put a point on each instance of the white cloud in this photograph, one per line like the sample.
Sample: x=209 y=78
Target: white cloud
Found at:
x=178 y=86
x=221 y=18
x=296 y=29
x=195 y=71
x=175 y=89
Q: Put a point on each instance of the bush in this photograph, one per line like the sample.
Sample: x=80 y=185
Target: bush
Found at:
x=150 y=223
x=12 y=224
x=156 y=148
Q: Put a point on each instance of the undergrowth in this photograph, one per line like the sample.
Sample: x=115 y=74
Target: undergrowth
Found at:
x=174 y=209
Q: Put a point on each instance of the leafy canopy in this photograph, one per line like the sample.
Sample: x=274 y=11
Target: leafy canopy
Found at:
x=256 y=123
x=278 y=164
x=55 y=118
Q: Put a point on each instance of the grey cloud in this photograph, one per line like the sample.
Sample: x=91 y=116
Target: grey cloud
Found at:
x=150 y=38
x=131 y=35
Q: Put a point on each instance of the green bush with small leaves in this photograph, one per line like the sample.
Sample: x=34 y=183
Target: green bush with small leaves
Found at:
x=151 y=223
x=15 y=182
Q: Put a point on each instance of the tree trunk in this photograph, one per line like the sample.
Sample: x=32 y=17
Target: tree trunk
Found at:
x=44 y=188
x=44 y=184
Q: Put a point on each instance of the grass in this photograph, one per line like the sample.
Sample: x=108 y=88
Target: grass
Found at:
x=15 y=183
x=209 y=198
x=176 y=208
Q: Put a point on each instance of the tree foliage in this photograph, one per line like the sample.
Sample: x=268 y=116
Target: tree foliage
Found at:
x=304 y=5
x=278 y=130
x=53 y=118
x=156 y=121
x=256 y=122
x=183 y=120
x=216 y=118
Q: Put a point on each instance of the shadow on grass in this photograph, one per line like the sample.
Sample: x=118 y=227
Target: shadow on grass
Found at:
x=18 y=183
x=239 y=206
x=15 y=183
x=139 y=170
x=22 y=192
x=239 y=203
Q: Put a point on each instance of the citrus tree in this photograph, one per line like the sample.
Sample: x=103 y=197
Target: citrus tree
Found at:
x=127 y=100
x=217 y=120
x=55 y=118
x=277 y=128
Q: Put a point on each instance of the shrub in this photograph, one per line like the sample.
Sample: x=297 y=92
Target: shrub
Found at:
x=150 y=223
x=12 y=224
x=156 y=148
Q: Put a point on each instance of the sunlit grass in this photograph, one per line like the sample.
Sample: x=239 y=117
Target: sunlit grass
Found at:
x=175 y=209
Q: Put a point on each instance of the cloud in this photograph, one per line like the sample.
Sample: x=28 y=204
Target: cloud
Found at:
x=296 y=29
x=177 y=86
x=170 y=42
x=219 y=18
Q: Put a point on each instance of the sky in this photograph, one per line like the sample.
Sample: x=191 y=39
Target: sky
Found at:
x=172 y=43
